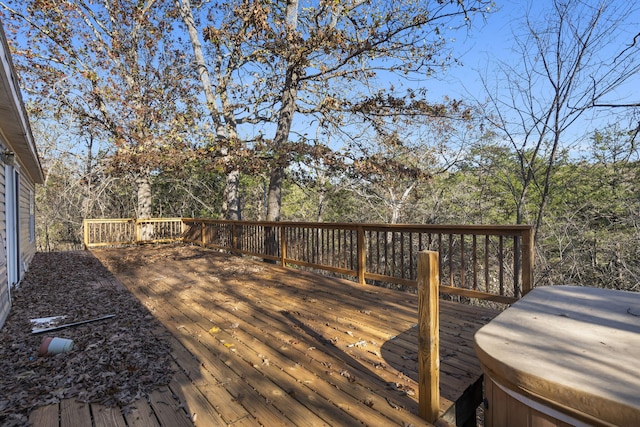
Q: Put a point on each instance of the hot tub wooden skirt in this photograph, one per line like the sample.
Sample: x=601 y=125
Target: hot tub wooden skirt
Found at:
x=505 y=407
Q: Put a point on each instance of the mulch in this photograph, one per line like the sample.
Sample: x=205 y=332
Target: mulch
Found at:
x=114 y=361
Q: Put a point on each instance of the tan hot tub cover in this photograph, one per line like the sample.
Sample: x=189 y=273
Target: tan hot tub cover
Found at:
x=574 y=349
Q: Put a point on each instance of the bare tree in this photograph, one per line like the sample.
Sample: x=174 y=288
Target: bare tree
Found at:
x=223 y=119
x=567 y=68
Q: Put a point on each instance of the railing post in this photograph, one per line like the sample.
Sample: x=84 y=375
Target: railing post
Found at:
x=203 y=238
x=138 y=230
x=85 y=232
x=528 y=254
x=283 y=245
x=362 y=255
x=428 y=336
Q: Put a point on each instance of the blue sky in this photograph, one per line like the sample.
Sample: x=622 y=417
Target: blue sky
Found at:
x=487 y=43
x=483 y=47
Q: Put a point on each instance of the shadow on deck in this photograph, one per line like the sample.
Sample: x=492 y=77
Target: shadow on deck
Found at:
x=255 y=343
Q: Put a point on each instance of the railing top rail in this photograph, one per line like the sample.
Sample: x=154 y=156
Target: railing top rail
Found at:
x=159 y=219
x=453 y=229
x=442 y=228
x=101 y=220
x=104 y=220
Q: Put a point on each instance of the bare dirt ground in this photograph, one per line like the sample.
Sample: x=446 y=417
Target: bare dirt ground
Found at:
x=113 y=362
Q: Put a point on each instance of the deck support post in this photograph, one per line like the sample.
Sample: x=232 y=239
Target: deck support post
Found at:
x=428 y=335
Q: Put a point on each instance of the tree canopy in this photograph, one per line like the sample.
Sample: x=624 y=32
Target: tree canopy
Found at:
x=324 y=111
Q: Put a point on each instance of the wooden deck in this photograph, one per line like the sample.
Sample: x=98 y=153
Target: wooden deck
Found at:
x=164 y=408
x=257 y=344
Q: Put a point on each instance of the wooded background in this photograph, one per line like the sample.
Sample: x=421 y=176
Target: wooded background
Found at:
x=320 y=111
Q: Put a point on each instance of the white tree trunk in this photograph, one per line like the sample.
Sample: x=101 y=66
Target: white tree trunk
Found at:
x=231 y=201
x=144 y=205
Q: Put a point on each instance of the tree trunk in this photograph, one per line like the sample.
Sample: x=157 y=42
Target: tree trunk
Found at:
x=285 y=119
x=322 y=197
x=274 y=197
x=144 y=204
x=231 y=201
x=274 y=194
x=88 y=171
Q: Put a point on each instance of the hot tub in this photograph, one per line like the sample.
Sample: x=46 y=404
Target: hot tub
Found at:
x=563 y=355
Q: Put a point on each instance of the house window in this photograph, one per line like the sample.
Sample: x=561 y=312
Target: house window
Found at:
x=32 y=216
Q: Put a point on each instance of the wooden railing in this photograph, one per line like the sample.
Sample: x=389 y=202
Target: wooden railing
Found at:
x=485 y=262
x=128 y=231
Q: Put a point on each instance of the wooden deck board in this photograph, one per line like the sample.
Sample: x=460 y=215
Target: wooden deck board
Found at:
x=141 y=415
x=221 y=372
x=104 y=416
x=193 y=399
x=74 y=413
x=45 y=416
x=286 y=346
x=169 y=411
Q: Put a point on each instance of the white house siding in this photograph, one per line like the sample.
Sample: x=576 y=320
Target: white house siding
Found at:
x=27 y=238
x=5 y=300
x=17 y=153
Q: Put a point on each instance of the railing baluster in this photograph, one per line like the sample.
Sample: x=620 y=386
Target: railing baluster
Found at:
x=486 y=264
x=362 y=256
x=332 y=252
x=385 y=271
x=462 y=264
x=322 y=246
x=352 y=252
x=402 y=261
x=516 y=267
x=305 y=234
x=373 y=251
x=474 y=260
x=501 y=264
x=343 y=248
x=411 y=270
x=283 y=245
x=451 y=283
x=393 y=253
x=528 y=252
